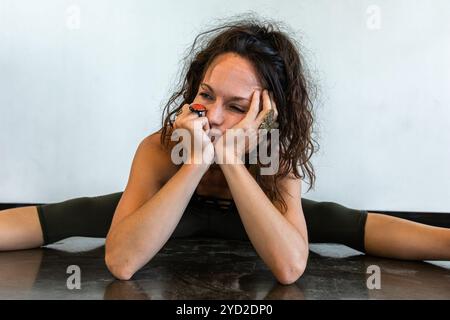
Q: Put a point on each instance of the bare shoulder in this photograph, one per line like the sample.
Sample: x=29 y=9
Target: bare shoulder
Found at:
x=158 y=156
x=151 y=168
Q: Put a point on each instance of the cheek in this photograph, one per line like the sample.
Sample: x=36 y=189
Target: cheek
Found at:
x=232 y=120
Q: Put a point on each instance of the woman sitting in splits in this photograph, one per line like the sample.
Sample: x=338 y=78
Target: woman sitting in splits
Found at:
x=242 y=73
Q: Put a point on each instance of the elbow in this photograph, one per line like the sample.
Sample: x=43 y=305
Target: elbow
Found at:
x=118 y=269
x=291 y=272
x=122 y=275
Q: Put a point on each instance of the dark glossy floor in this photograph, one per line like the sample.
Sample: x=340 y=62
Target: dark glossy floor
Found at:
x=213 y=269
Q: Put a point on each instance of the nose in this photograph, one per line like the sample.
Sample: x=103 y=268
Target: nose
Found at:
x=215 y=115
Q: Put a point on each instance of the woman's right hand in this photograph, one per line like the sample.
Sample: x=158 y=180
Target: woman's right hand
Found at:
x=194 y=137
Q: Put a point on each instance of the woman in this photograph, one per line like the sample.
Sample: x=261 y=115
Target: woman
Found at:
x=242 y=73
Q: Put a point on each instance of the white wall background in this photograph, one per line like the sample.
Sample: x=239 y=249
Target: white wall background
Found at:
x=83 y=82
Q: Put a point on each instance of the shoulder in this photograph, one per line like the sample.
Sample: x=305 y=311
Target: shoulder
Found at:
x=290 y=188
x=292 y=184
x=157 y=156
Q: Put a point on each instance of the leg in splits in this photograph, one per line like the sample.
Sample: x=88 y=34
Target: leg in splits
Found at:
x=328 y=222
x=374 y=233
x=393 y=237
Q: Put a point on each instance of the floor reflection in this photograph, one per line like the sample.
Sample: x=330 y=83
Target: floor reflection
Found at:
x=213 y=269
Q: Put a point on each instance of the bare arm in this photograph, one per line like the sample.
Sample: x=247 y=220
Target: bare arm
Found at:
x=147 y=214
x=280 y=240
x=139 y=236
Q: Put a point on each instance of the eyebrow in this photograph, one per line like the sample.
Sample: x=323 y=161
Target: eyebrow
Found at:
x=234 y=98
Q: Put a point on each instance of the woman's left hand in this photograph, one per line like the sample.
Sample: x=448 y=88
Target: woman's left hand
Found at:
x=230 y=150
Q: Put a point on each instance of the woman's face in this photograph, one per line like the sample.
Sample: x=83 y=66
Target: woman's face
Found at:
x=226 y=90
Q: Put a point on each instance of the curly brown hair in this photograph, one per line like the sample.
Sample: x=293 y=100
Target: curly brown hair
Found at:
x=279 y=65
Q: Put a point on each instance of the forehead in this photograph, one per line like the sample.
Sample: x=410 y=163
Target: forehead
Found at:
x=230 y=72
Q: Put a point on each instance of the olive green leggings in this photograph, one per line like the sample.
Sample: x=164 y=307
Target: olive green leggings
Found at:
x=327 y=222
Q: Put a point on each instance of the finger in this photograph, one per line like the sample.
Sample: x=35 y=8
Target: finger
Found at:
x=254 y=105
x=183 y=112
x=274 y=106
x=266 y=108
x=204 y=122
x=185 y=109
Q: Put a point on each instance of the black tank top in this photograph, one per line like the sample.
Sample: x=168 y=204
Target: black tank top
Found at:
x=225 y=205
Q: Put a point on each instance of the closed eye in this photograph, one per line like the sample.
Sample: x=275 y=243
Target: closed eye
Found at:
x=237 y=109
x=208 y=97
